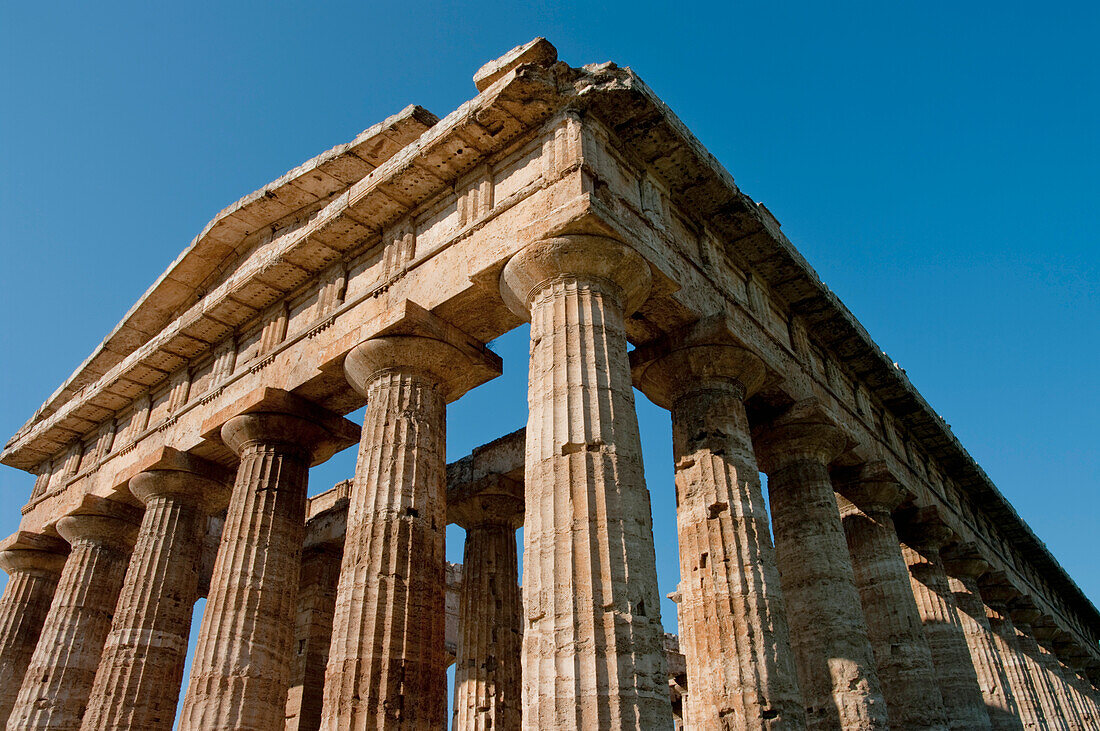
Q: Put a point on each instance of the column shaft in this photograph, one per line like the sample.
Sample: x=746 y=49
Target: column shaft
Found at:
x=137 y=685
x=894 y=627
x=1040 y=678
x=241 y=669
x=592 y=644
x=962 y=696
x=487 y=672
x=387 y=666
x=1028 y=704
x=32 y=580
x=60 y=674
x=989 y=666
x=735 y=638
x=833 y=654
x=312 y=635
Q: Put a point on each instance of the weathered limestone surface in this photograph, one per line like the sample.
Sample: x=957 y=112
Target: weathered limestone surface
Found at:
x=241 y=670
x=514 y=207
x=488 y=673
x=1028 y=702
x=902 y=656
x=1053 y=712
x=33 y=574
x=138 y=681
x=833 y=655
x=962 y=695
x=733 y=628
x=387 y=665
x=964 y=566
x=592 y=653
x=312 y=634
x=59 y=676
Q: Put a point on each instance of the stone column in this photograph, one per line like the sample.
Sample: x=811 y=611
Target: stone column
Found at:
x=1083 y=691
x=241 y=669
x=312 y=635
x=965 y=565
x=137 y=685
x=1075 y=715
x=1028 y=702
x=1040 y=678
x=488 y=679
x=59 y=676
x=733 y=623
x=387 y=664
x=592 y=643
x=833 y=655
x=962 y=696
x=902 y=656
x=33 y=573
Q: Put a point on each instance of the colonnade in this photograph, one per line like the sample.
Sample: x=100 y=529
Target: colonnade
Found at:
x=865 y=613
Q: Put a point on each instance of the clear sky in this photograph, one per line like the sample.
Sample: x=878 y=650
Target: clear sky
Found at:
x=936 y=163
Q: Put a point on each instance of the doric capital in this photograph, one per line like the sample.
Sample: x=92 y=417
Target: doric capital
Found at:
x=492 y=500
x=1024 y=611
x=615 y=268
x=964 y=559
x=997 y=590
x=803 y=432
x=110 y=527
x=31 y=561
x=209 y=494
x=272 y=416
x=415 y=341
x=694 y=368
x=871 y=486
x=925 y=530
x=441 y=363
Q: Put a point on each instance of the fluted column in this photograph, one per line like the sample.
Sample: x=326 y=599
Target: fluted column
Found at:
x=313 y=633
x=1028 y=703
x=902 y=656
x=732 y=619
x=137 y=685
x=32 y=579
x=1053 y=712
x=592 y=643
x=241 y=669
x=387 y=663
x=1075 y=714
x=833 y=655
x=1082 y=691
x=488 y=680
x=59 y=676
x=964 y=566
x=962 y=696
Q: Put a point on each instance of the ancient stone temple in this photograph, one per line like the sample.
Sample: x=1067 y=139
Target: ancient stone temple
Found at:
x=900 y=590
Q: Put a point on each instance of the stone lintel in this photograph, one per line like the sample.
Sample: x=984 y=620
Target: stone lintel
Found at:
x=538 y=51
x=342 y=433
x=503 y=456
x=408 y=319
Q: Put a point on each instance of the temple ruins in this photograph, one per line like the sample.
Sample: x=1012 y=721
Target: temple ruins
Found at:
x=901 y=589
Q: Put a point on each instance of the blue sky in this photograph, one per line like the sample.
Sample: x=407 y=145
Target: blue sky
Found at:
x=936 y=163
